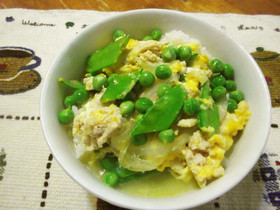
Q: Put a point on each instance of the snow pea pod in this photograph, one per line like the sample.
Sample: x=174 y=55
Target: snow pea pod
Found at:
x=162 y=113
x=111 y=164
x=208 y=116
x=107 y=56
x=119 y=86
x=72 y=83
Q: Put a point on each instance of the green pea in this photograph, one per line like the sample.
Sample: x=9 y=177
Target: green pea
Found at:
x=185 y=53
x=163 y=72
x=166 y=136
x=112 y=77
x=219 y=92
x=80 y=95
x=163 y=89
x=228 y=71
x=216 y=66
x=218 y=81
x=236 y=95
x=69 y=101
x=118 y=33
x=147 y=79
x=66 y=116
x=232 y=105
x=156 y=34
x=127 y=107
x=99 y=82
x=230 y=85
x=174 y=48
x=142 y=104
x=139 y=116
x=111 y=179
x=139 y=140
x=146 y=38
x=169 y=54
x=191 y=106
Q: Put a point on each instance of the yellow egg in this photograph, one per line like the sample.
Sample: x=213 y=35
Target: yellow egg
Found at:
x=131 y=44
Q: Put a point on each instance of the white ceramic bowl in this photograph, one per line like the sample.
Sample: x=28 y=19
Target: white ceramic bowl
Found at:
x=70 y=63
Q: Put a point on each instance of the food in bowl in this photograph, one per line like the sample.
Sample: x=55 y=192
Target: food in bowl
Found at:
x=157 y=107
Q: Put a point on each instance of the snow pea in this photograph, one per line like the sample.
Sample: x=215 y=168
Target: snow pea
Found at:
x=208 y=116
x=120 y=86
x=111 y=164
x=107 y=56
x=162 y=113
x=72 y=83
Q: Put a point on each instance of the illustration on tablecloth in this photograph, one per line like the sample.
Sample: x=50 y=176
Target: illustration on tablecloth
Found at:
x=3 y=163
x=269 y=63
x=17 y=72
x=268 y=171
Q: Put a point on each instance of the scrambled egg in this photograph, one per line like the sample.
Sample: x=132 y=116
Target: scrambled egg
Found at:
x=205 y=154
x=95 y=124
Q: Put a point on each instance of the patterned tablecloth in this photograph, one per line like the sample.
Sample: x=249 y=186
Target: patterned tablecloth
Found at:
x=30 y=177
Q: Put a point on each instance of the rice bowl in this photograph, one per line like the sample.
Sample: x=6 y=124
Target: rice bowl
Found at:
x=63 y=151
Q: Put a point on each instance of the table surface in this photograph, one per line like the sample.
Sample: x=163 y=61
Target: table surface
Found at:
x=203 y=6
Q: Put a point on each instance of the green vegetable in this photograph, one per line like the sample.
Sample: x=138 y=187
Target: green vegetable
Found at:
x=166 y=136
x=146 y=38
x=139 y=139
x=99 y=81
x=163 y=112
x=80 y=96
x=66 y=116
x=232 y=105
x=230 y=85
x=219 y=92
x=185 y=53
x=120 y=86
x=163 y=71
x=118 y=33
x=136 y=176
x=139 y=116
x=163 y=89
x=182 y=78
x=72 y=83
x=111 y=179
x=237 y=95
x=218 y=81
x=169 y=54
x=127 y=107
x=137 y=87
x=111 y=164
x=156 y=34
x=228 y=71
x=194 y=55
x=142 y=104
x=191 y=106
x=107 y=56
x=118 y=174
x=131 y=96
x=69 y=101
x=147 y=79
x=112 y=77
x=216 y=66
x=208 y=117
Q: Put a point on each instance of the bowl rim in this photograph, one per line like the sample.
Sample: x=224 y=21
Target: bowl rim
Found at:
x=119 y=202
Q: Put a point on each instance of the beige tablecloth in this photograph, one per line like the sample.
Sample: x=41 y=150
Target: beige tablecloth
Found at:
x=30 y=177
